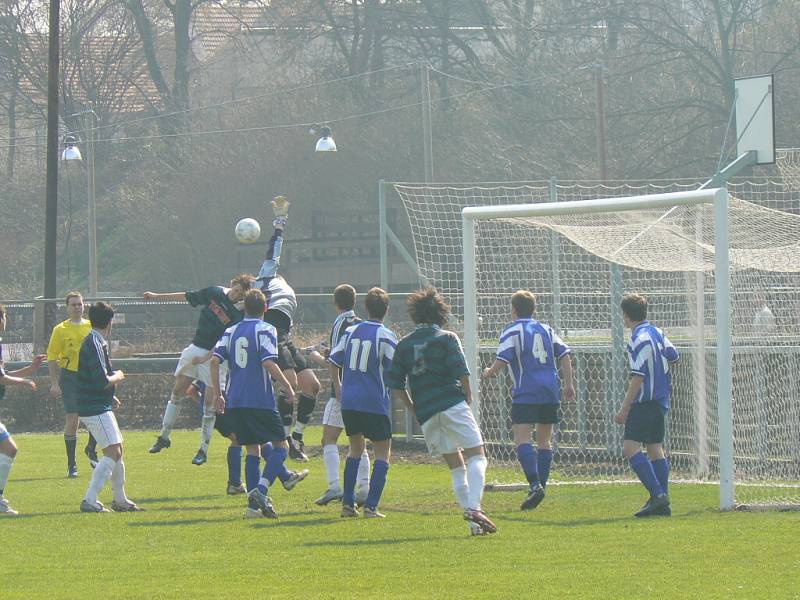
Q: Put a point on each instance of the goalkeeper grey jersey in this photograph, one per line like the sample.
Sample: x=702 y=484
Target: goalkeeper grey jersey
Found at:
x=280 y=296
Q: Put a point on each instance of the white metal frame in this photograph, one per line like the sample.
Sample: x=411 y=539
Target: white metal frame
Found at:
x=719 y=198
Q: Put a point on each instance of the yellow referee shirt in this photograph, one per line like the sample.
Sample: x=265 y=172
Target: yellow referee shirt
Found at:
x=65 y=343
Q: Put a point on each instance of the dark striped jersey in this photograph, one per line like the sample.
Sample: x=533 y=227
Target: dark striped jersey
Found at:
x=340 y=324
x=217 y=315
x=432 y=361
x=94 y=368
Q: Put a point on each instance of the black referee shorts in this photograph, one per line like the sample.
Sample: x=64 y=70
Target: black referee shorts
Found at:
x=372 y=426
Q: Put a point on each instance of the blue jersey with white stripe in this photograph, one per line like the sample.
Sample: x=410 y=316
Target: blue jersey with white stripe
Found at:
x=531 y=349
x=650 y=355
x=246 y=347
x=364 y=354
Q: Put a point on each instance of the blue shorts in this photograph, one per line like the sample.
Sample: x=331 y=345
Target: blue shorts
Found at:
x=534 y=413
x=373 y=426
x=251 y=425
x=646 y=423
x=68 y=382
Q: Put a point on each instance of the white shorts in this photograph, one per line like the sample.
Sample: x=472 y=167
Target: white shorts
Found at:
x=333 y=414
x=452 y=430
x=185 y=366
x=104 y=428
x=4 y=435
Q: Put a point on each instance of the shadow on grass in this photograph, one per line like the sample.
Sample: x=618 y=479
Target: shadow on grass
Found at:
x=180 y=522
x=384 y=542
x=180 y=498
x=282 y=523
x=24 y=479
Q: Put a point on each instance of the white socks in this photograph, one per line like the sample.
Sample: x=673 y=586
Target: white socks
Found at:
x=118 y=482
x=5 y=468
x=206 y=429
x=101 y=473
x=460 y=487
x=476 y=479
x=363 y=472
x=299 y=427
x=171 y=414
x=330 y=454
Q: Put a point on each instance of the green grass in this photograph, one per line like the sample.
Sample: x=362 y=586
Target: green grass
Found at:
x=193 y=542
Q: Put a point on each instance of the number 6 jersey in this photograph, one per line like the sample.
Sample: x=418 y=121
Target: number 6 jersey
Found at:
x=245 y=347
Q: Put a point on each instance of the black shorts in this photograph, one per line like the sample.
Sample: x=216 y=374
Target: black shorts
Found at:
x=534 y=413
x=289 y=357
x=646 y=423
x=251 y=425
x=372 y=426
x=68 y=382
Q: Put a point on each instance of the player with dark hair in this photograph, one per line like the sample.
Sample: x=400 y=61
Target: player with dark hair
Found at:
x=534 y=352
x=363 y=355
x=281 y=306
x=344 y=299
x=8 y=449
x=62 y=364
x=220 y=311
x=249 y=414
x=429 y=374
x=96 y=402
x=646 y=403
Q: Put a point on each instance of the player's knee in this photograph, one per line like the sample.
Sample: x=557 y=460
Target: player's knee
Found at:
x=305 y=406
x=113 y=452
x=308 y=382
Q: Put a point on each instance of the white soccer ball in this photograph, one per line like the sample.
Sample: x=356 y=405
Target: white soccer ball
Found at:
x=247 y=231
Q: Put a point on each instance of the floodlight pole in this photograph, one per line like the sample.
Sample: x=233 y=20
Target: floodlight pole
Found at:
x=51 y=203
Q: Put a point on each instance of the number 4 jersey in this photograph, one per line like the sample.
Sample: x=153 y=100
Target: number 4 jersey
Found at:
x=245 y=347
x=364 y=354
x=531 y=349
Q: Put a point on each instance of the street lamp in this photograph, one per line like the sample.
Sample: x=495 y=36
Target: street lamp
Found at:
x=325 y=143
x=72 y=153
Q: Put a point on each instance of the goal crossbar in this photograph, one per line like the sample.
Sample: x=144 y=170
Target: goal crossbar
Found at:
x=718 y=197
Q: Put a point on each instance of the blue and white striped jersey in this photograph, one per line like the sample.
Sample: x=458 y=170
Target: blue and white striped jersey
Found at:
x=364 y=353
x=340 y=325
x=650 y=355
x=531 y=349
x=245 y=347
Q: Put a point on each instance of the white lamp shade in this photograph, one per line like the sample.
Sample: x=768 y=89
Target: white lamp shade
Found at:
x=326 y=144
x=71 y=153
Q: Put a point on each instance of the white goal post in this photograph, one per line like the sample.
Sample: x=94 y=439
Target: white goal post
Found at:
x=471 y=216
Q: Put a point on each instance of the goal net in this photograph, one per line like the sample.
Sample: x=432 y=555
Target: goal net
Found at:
x=579 y=265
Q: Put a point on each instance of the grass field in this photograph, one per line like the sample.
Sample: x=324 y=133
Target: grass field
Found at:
x=192 y=541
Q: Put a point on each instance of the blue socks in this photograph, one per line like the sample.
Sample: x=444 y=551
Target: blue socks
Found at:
x=545 y=459
x=661 y=469
x=273 y=467
x=644 y=470
x=376 y=483
x=251 y=471
x=526 y=454
x=350 y=476
x=266 y=450
x=235 y=465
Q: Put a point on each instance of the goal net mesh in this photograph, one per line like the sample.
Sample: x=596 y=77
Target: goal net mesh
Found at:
x=579 y=266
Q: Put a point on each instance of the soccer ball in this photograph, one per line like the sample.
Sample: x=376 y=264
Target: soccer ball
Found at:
x=247 y=231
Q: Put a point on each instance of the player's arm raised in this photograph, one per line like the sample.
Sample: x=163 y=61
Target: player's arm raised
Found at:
x=166 y=297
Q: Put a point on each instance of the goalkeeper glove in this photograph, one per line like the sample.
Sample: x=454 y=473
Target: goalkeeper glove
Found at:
x=280 y=207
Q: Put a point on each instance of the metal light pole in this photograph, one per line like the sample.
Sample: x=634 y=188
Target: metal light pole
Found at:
x=51 y=205
x=90 y=191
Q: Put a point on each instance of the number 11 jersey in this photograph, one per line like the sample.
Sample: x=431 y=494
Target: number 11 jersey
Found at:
x=364 y=354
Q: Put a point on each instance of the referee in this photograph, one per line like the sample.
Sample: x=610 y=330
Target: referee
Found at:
x=62 y=364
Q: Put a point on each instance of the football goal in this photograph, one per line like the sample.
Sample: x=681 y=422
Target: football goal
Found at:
x=722 y=279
